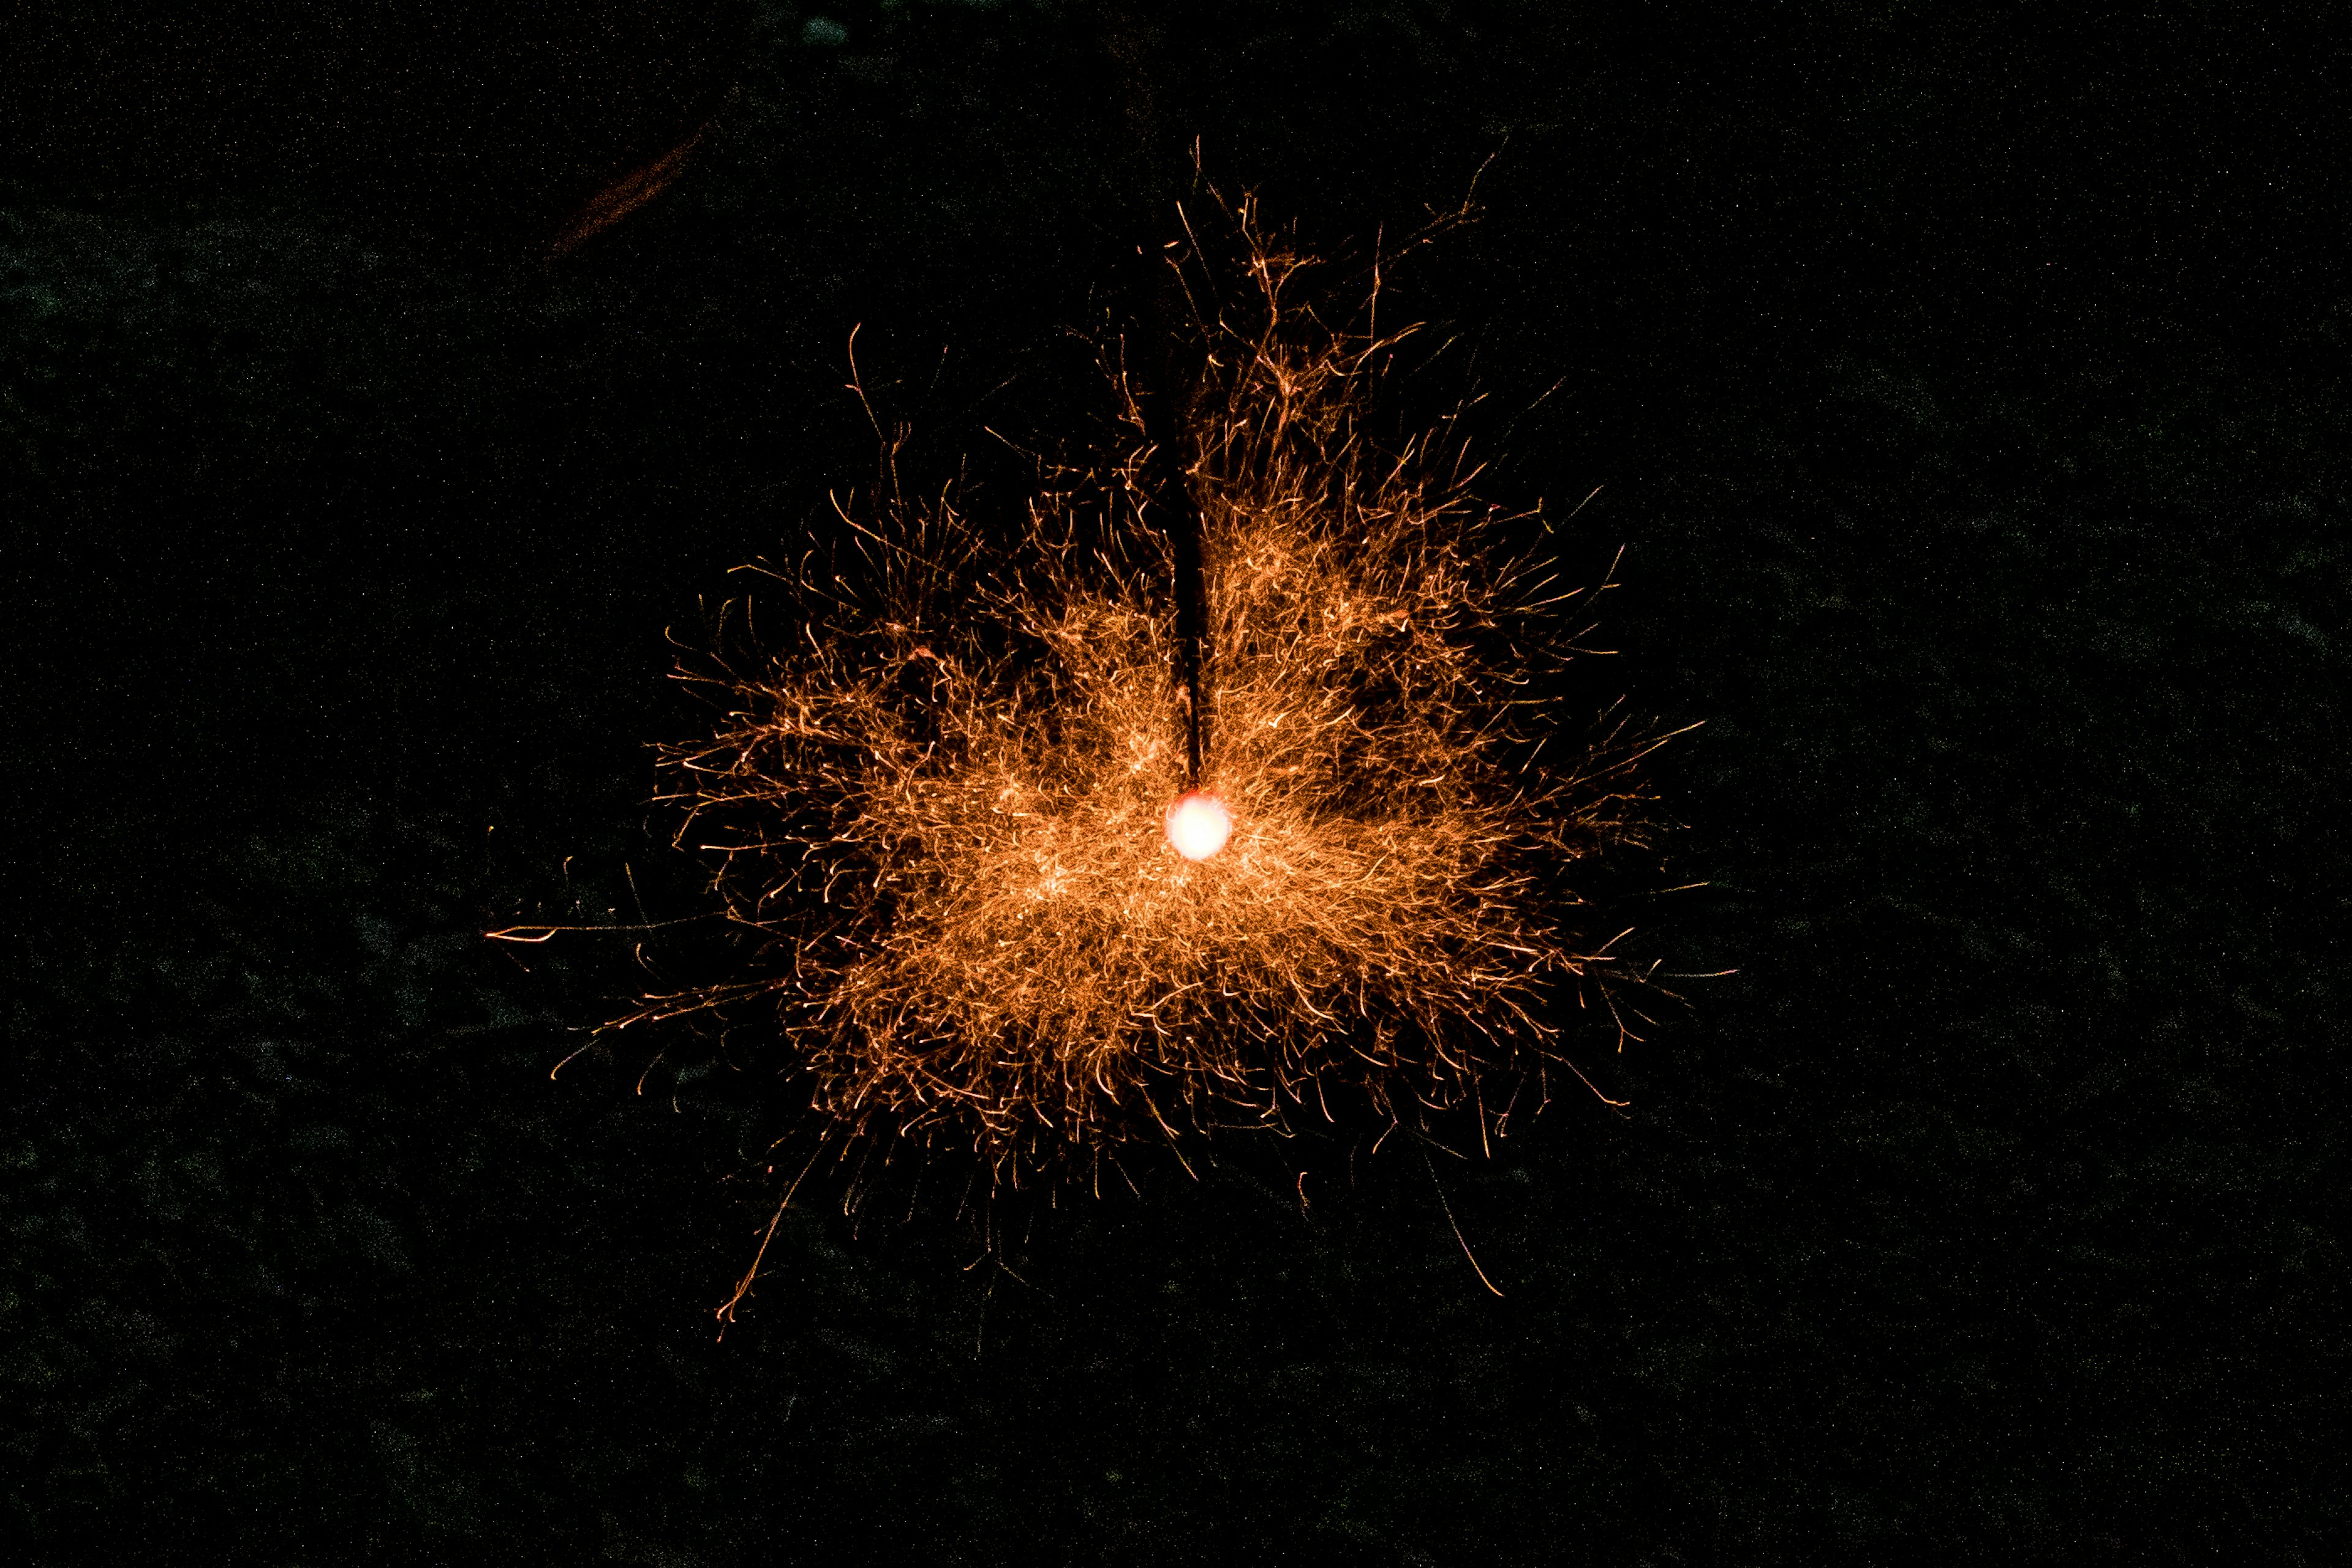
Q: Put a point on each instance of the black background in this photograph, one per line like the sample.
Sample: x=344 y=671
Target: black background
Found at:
x=1967 y=387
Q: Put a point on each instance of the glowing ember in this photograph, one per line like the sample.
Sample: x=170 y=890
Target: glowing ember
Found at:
x=930 y=807
x=1198 y=824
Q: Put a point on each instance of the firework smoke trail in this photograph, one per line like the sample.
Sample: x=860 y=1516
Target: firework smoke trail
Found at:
x=942 y=806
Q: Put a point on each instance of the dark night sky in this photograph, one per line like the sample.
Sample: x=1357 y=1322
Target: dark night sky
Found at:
x=1968 y=389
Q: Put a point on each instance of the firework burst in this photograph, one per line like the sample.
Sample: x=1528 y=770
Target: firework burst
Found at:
x=958 y=810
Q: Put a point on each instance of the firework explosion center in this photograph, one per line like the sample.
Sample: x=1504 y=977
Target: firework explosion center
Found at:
x=1198 y=824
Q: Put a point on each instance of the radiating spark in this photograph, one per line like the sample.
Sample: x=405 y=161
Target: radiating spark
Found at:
x=946 y=805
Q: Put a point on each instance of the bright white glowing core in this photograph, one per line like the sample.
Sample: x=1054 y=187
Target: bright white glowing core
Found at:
x=1198 y=824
